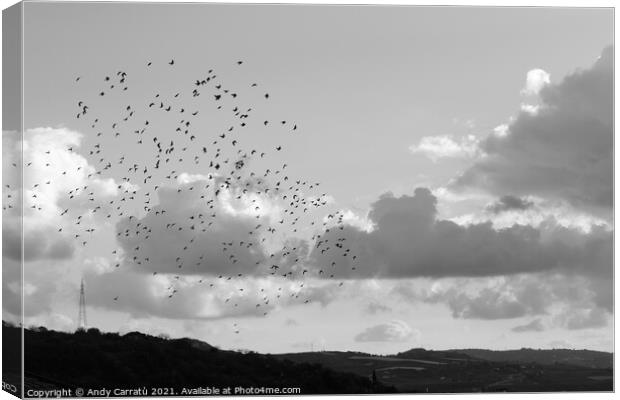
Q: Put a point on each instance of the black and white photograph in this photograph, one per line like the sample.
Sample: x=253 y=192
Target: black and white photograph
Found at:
x=228 y=199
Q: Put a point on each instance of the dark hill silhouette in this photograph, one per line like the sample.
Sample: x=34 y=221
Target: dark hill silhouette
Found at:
x=583 y=358
x=92 y=359
x=457 y=371
x=435 y=355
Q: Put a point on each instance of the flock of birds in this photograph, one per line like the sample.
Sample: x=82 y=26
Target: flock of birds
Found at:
x=228 y=166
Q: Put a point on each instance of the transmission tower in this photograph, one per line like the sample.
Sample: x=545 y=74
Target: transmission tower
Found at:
x=82 y=312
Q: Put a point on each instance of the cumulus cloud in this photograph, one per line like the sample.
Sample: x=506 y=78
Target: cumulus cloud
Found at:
x=409 y=240
x=52 y=167
x=531 y=211
x=506 y=298
x=50 y=172
x=489 y=304
x=198 y=256
x=393 y=331
x=143 y=296
x=567 y=299
x=51 y=155
x=536 y=79
x=446 y=146
x=563 y=151
x=583 y=318
x=199 y=298
x=501 y=130
x=531 y=109
x=358 y=221
x=533 y=326
x=190 y=231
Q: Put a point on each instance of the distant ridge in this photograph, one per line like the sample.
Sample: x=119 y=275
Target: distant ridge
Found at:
x=475 y=370
x=435 y=354
x=582 y=358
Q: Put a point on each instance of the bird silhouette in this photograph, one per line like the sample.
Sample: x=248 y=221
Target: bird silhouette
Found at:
x=156 y=163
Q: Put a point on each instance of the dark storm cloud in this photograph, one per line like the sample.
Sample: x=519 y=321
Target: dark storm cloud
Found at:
x=409 y=240
x=508 y=203
x=562 y=152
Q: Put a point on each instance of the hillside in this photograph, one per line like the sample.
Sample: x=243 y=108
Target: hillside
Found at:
x=93 y=360
x=456 y=371
x=583 y=358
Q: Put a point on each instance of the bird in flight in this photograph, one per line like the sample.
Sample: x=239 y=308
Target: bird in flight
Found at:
x=229 y=169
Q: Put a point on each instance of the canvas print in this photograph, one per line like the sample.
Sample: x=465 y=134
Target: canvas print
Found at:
x=296 y=199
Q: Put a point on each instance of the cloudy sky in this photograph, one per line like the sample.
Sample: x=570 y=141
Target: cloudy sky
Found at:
x=463 y=155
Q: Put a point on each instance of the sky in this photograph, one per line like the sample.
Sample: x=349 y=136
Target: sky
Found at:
x=464 y=157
